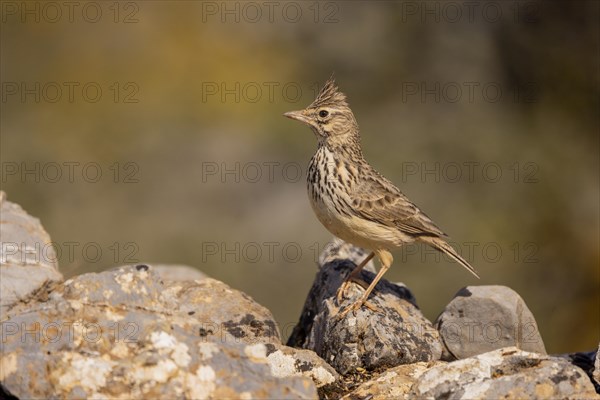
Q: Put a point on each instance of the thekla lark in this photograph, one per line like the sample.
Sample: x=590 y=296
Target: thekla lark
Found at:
x=352 y=200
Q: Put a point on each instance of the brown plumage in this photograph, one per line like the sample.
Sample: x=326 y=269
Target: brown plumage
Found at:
x=352 y=200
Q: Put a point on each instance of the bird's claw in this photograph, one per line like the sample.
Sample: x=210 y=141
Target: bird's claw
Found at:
x=341 y=292
x=357 y=305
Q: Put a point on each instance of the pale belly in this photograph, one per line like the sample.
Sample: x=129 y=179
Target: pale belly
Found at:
x=360 y=232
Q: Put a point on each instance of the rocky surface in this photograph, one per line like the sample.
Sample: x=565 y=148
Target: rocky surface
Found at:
x=596 y=373
x=287 y=361
x=171 y=332
x=395 y=383
x=507 y=373
x=27 y=258
x=178 y=272
x=587 y=361
x=126 y=333
x=484 y=318
x=398 y=334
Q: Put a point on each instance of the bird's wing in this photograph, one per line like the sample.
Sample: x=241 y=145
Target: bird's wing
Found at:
x=376 y=198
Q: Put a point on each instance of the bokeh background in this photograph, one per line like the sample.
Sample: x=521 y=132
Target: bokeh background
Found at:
x=485 y=114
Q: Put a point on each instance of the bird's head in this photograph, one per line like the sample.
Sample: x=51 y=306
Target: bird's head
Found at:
x=329 y=116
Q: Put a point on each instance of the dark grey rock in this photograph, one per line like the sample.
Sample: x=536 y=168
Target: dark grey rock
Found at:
x=507 y=373
x=484 y=318
x=125 y=333
x=28 y=262
x=398 y=334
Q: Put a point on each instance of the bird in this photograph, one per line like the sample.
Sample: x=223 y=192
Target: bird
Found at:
x=355 y=202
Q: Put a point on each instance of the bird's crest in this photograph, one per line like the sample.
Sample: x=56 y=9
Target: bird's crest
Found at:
x=330 y=95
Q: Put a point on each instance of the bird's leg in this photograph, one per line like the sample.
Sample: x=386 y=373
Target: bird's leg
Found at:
x=354 y=276
x=386 y=261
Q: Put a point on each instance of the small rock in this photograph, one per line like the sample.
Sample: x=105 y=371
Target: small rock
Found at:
x=398 y=334
x=395 y=383
x=508 y=373
x=28 y=262
x=484 y=318
x=287 y=361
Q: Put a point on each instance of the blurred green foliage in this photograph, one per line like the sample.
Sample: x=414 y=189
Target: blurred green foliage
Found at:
x=165 y=120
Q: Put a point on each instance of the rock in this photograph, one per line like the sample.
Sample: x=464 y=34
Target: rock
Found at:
x=395 y=383
x=375 y=341
x=337 y=249
x=28 y=262
x=210 y=307
x=508 y=373
x=287 y=361
x=596 y=374
x=484 y=318
x=160 y=364
x=178 y=272
x=587 y=361
x=125 y=333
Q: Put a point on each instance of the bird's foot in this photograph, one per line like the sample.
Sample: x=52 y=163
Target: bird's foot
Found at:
x=352 y=278
x=342 y=293
x=357 y=305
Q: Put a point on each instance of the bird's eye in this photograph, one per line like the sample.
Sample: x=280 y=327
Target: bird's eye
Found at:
x=323 y=113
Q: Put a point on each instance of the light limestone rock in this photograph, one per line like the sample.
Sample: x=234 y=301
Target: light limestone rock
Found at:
x=508 y=373
x=484 y=318
x=126 y=334
x=28 y=261
x=395 y=383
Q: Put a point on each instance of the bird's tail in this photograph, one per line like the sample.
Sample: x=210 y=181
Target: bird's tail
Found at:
x=443 y=246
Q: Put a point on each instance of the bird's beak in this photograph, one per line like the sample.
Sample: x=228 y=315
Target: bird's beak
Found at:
x=298 y=116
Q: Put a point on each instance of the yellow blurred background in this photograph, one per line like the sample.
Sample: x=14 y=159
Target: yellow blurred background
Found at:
x=152 y=131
